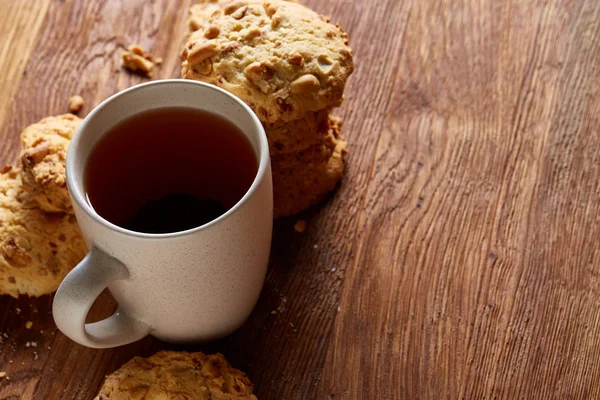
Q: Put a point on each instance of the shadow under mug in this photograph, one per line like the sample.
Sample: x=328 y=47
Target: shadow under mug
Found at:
x=190 y=286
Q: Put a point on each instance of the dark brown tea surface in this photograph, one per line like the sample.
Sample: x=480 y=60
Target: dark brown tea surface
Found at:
x=169 y=170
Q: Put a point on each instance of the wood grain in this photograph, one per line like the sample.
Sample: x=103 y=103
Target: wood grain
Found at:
x=459 y=257
x=19 y=26
x=476 y=275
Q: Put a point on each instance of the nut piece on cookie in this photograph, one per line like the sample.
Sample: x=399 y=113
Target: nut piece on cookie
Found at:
x=37 y=249
x=305 y=84
x=304 y=178
x=173 y=375
x=200 y=52
x=75 y=104
x=281 y=58
x=43 y=159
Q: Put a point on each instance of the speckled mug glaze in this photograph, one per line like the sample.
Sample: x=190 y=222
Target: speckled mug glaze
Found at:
x=190 y=286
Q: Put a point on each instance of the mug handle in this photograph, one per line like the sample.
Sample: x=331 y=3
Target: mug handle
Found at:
x=75 y=297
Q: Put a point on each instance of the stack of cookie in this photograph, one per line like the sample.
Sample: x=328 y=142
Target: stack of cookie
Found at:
x=40 y=241
x=290 y=65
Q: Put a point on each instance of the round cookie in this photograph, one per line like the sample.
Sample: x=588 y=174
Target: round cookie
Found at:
x=43 y=160
x=170 y=375
x=304 y=178
x=281 y=58
x=37 y=249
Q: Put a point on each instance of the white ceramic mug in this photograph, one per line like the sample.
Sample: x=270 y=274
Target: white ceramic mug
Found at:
x=190 y=286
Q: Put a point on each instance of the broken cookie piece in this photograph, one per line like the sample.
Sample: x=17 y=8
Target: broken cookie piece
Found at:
x=137 y=63
x=136 y=59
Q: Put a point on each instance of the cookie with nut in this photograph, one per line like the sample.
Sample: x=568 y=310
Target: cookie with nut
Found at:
x=290 y=65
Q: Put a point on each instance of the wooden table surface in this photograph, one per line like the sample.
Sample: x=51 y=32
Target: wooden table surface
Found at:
x=460 y=258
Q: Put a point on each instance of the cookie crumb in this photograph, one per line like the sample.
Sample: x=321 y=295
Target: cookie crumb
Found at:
x=339 y=309
x=300 y=226
x=28 y=325
x=35 y=355
x=136 y=63
x=18 y=311
x=273 y=312
x=136 y=59
x=33 y=344
x=10 y=361
x=28 y=344
x=281 y=307
x=75 y=104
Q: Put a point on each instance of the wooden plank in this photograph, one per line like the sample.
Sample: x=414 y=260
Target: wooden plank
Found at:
x=19 y=26
x=459 y=257
x=476 y=276
x=552 y=339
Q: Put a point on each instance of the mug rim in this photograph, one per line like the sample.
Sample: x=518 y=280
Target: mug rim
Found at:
x=79 y=198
